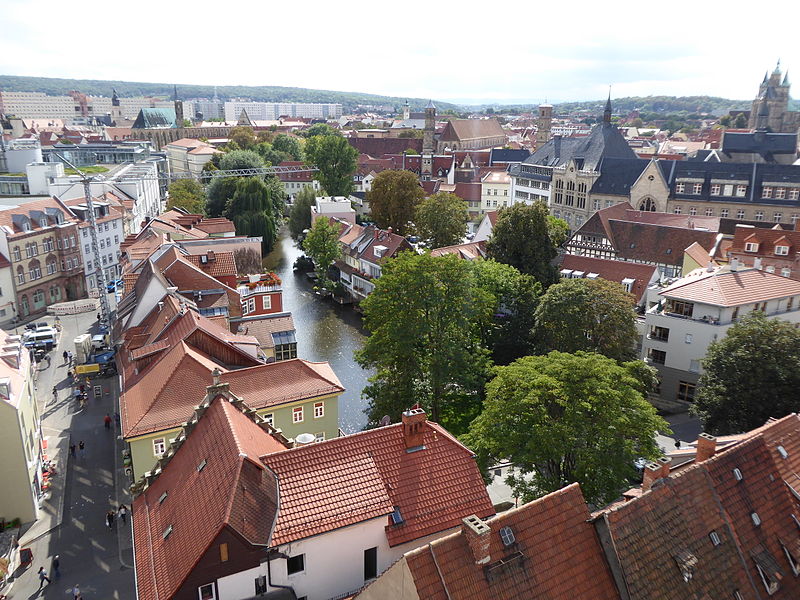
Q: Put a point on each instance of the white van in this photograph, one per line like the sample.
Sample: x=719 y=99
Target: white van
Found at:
x=46 y=336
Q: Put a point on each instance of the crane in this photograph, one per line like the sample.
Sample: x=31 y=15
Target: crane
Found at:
x=86 y=181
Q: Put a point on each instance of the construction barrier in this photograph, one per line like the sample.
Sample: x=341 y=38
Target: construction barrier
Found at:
x=85 y=369
x=73 y=308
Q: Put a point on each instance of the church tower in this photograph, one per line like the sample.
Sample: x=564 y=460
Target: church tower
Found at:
x=116 y=109
x=607 y=111
x=178 y=108
x=427 y=141
x=770 y=108
x=544 y=124
x=406 y=111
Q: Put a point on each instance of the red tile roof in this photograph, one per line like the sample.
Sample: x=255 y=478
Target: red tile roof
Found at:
x=470 y=129
x=347 y=480
x=767 y=239
x=726 y=288
x=613 y=270
x=236 y=492
x=556 y=554
x=469 y=251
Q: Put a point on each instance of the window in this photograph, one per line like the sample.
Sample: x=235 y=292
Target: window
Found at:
x=693 y=210
x=794 y=193
x=741 y=191
x=740 y=213
x=507 y=536
x=266 y=302
x=319 y=410
x=206 y=592
x=102 y=244
x=319 y=437
x=709 y=212
x=723 y=213
x=85 y=233
x=786 y=272
x=35 y=248
x=715 y=539
x=678 y=307
x=89 y=265
x=296 y=564
x=159 y=446
x=697 y=188
x=370 y=563
x=759 y=216
x=680 y=188
x=766 y=192
x=105 y=226
x=17 y=255
x=792 y=560
x=781 y=250
x=297 y=414
x=86 y=248
x=777 y=217
x=715 y=189
x=658 y=357
x=248 y=306
x=286 y=351
x=51 y=267
x=261 y=585
x=223 y=552
x=770 y=584
x=116 y=239
x=20 y=275
x=780 y=193
x=678 y=210
x=686 y=391
x=751 y=247
x=270 y=419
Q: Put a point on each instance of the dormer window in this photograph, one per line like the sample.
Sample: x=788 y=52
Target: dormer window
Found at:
x=507 y=536
x=781 y=250
x=686 y=563
x=751 y=247
x=26 y=226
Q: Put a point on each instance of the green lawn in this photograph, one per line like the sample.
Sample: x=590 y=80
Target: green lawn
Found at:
x=92 y=169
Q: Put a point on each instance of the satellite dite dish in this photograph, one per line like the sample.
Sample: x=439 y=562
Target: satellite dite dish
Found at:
x=385 y=420
x=304 y=439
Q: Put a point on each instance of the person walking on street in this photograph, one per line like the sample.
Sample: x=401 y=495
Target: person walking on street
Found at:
x=110 y=519
x=42 y=577
x=66 y=357
x=76 y=593
x=82 y=449
x=123 y=513
x=72 y=450
x=107 y=421
x=56 y=565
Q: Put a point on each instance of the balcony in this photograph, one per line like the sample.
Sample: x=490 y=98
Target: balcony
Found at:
x=245 y=291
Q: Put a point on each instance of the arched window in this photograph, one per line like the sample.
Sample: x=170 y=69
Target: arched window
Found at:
x=647 y=204
x=24 y=306
x=20 y=275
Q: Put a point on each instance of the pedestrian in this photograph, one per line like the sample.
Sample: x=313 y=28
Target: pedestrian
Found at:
x=72 y=450
x=116 y=418
x=98 y=317
x=107 y=421
x=42 y=577
x=82 y=448
x=76 y=593
x=82 y=388
x=66 y=356
x=69 y=357
x=56 y=565
x=69 y=375
x=123 y=513
x=110 y=519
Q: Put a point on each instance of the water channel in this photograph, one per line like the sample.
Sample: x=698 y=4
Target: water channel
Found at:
x=326 y=331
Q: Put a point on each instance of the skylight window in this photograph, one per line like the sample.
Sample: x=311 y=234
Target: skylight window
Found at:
x=162 y=498
x=202 y=465
x=737 y=475
x=397 y=518
x=167 y=532
x=715 y=539
x=756 y=519
x=782 y=451
x=507 y=535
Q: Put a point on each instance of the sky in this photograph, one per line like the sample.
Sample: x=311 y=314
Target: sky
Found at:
x=465 y=52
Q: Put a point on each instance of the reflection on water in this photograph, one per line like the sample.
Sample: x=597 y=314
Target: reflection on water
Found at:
x=325 y=331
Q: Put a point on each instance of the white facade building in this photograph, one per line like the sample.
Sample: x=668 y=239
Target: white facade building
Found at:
x=270 y=111
x=698 y=310
x=495 y=191
x=36 y=105
x=530 y=183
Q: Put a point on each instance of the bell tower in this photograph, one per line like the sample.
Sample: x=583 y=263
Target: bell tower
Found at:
x=178 y=107
x=544 y=124
x=427 y=141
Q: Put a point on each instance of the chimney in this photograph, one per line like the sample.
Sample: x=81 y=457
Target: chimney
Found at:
x=413 y=428
x=653 y=471
x=710 y=267
x=757 y=263
x=734 y=265
x=706 y=447
x=477 y=533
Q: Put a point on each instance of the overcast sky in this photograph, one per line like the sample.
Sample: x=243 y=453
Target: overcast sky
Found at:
x=467 y=51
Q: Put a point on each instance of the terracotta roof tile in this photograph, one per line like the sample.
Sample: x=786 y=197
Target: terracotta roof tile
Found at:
x=222 y=263
x=613 y=270
x=727 y=288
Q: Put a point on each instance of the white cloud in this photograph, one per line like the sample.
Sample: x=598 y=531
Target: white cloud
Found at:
x=470 y=51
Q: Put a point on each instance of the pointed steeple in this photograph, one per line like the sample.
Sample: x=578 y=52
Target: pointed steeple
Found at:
x=174 y=93
x=778 y=67
x=607 y=111
x=786 y=80
x=430 y=104
x=766 y=78
x=114 y=97
x=216 y=98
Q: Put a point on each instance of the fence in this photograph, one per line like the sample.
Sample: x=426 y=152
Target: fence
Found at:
x=74 y=308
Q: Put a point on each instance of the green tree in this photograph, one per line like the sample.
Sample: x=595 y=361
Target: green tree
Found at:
x=187 y=194
x=441 y=220
x=740 y=122
x=336 y=160
x=508 y=331
x=524 y=237
x=423 y=340
x=186 y=123
x=220 y=191
x=288 y=144
x=594 y=315
x=750 y=375
x=243 y=137
x=321 y=129
x=322 y=246
x=412 y=133
x=241 y=159
x=562 y=418
x=300 y=215
x=268 y=153
x=393 y=199
x=251 y=210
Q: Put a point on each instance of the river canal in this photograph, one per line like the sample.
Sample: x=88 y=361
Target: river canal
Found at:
x=325 y=331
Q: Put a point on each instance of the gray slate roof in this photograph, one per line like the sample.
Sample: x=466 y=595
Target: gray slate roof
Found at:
x=759 y=142
x=604 y=141
x=155 y=118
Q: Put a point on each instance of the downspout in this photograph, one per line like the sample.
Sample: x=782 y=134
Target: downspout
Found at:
x=270 y=553
x=274 y=552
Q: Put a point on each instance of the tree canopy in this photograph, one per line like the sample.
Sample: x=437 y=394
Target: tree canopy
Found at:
x=394 y=198
x=321 y=129
x=322 y=246
x=750 y=375
x=187 y=194
x=241 y=159
x=423 y=340
x=562 y=418
x=252 y=210
x=288 y=144
x=526 y=238
x=336 y=160
x=220 y=190
x=300 y=214
x=243 y=137
x=441 y=220
x=594 y=315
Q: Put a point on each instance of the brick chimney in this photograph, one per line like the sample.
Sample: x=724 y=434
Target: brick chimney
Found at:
x=653 y=471
x=414 y=428
x=706 y=447
x=477 y=533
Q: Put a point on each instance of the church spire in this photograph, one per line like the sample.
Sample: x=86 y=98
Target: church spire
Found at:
x=778 y=67
x=786 y=80
x=174 y=93
x=607 y=111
